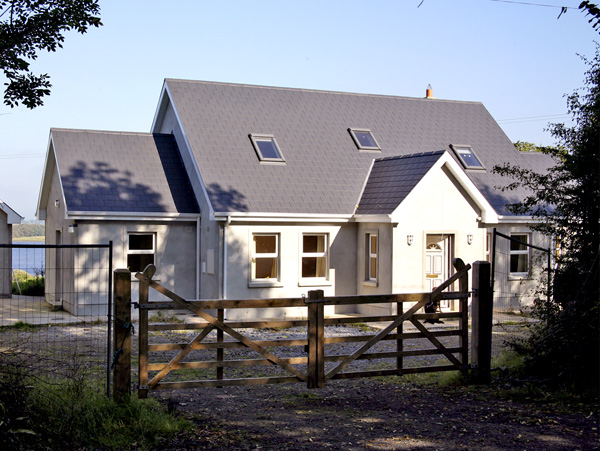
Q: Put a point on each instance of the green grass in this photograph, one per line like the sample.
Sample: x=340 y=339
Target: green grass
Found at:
x=71 y=415
x=21 y=239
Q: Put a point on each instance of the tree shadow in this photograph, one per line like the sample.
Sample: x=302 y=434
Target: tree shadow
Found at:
x=226 y=200
x=100 y=187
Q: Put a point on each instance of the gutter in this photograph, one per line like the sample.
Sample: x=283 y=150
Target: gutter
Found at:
x=130 y=216
x=198 y=257
x=281 y=217
x=224 y=271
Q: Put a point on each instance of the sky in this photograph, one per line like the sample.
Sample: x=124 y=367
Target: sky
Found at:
x=517 y=58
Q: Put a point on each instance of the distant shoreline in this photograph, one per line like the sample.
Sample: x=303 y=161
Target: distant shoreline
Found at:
x=29 y=239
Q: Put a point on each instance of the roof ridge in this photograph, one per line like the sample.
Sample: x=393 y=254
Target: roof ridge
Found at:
x=105 y=132
x=412 y=155
x=322 y=91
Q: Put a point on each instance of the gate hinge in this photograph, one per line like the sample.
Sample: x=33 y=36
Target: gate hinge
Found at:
x=135 y=304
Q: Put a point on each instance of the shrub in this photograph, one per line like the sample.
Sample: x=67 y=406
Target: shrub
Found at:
x=29 y=285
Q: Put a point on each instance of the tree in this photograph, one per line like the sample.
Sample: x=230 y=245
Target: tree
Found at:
x=30 y=26
x=564 y=346
x=524 y=146
x=591 y=10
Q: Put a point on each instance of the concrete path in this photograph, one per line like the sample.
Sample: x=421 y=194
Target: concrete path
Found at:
x=35 y=310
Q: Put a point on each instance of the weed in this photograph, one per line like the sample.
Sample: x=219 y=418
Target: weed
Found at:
x=87 y=418
x=364 y=327
x=23 y=327
x=161 y=317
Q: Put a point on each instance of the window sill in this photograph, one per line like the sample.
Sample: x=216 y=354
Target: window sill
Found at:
x=516 y=277
x=314 y=283
x=369 y=283
x=265 y=284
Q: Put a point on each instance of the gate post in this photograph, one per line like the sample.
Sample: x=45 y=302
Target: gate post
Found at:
x=143 y=339
x=122 y=334
x=316 y=340
x=481 y=340
x=463 y=288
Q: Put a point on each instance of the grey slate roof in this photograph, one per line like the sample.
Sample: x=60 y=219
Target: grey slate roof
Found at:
x=122 y=172
x=392 y=179
x=324 y=171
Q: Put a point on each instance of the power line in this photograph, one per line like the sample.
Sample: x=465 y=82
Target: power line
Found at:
x=25 y=155
x=563 y=8
x=517 y=120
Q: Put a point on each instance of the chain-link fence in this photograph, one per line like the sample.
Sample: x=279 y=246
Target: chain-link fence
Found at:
x=54 y=311
x=520 y=275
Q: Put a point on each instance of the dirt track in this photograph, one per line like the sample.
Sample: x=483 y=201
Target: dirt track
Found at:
x=367 y=414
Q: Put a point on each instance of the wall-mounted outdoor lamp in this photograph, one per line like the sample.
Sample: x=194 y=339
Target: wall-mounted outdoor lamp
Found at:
x=72 y=228
x=57 y=203
x=469 y=239
x=409 y=239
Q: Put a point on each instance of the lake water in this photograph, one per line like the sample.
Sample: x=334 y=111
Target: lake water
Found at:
x=31 y=260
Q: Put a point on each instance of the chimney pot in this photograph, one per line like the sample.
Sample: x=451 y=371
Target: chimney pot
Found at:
x=429 y=93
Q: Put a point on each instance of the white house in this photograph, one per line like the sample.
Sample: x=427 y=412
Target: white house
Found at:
x=8 y=217
x=259 y=192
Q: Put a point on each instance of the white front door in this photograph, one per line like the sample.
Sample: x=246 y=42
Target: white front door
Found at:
x=437 y=257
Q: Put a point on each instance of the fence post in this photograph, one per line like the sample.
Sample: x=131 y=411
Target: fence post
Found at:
x=122 y=334
x=143 y=339
x=481 y=340
x=463 y=287
x=316 y=340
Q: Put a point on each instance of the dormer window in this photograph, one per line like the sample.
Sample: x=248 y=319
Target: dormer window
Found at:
x=467 y=157
x=364 y=139
x=266 y=148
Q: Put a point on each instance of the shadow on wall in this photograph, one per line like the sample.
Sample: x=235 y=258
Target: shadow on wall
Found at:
x=101 y=187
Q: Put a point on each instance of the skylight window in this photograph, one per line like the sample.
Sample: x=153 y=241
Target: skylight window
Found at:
x=266 y=148
x=364 y=139
x=467 y=157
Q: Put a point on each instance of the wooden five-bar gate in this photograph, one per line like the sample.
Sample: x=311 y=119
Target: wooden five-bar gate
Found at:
x=314 y=367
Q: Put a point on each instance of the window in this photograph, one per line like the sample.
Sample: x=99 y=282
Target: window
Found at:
x=371 y=257
x=467 y=157
x=265 y=257
x=140 y=251
x=488 y=247
x=364 y=139
x=519 y=255
x=314 y=256
x=266 y=148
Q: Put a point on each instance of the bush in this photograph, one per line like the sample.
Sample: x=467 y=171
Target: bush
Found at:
x=29 y=285
x=73 y=412
x=68 y=416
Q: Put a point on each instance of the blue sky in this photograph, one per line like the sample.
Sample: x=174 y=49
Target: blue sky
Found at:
x=518 y=60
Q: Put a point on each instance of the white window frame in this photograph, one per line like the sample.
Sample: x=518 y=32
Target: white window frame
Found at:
x=314 y=281
x=488 y=247
x=360 y=146
x=371 y=254
x=460 y=150
x=140 y=251
x=254 y=282
x=256 y=138
x=511 y=252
